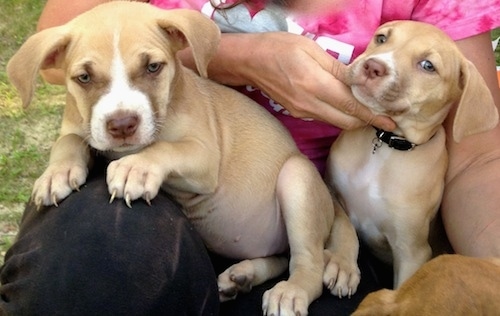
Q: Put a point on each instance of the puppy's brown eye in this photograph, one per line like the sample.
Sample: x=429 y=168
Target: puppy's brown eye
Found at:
x=84 y=78
x=427 y=66
x=153 y=67
x=380 y=38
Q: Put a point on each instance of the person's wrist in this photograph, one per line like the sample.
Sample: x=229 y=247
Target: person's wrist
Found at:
x=236 y=59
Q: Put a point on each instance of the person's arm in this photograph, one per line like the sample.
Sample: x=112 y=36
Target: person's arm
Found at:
x=58 y=12
x=295 y=72
x=471 y=203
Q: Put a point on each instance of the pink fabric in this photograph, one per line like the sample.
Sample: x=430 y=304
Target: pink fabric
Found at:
x=344 y=32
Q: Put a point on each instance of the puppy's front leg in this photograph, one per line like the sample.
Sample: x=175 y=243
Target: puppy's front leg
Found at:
x=307 y=209
x=67 y=170
x=410 y=248
x=186 y=165
x=342 y=275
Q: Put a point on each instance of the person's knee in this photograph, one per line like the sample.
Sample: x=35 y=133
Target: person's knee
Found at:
x=88 y=256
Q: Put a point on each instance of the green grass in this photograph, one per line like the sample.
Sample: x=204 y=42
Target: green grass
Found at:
x=18 y=19
x=25 y=134
x=21 y=157
x=494 y=35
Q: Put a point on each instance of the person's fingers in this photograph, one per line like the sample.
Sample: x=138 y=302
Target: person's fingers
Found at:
x=383 y=122
x=310 y=83
x=333 y=66
x=338 y=95
x=343 y=110
x=339 y=71
x=327 y=113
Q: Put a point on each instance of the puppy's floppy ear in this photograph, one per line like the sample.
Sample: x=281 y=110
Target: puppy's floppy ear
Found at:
x=476 y=110
x=40 y=51
x=192 y=28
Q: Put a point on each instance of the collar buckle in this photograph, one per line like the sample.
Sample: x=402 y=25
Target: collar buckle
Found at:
x=392 y=140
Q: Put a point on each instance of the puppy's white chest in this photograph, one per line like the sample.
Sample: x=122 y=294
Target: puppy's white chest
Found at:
x=359 y=184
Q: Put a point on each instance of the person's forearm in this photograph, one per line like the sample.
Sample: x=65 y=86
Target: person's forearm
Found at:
x=471 y=209
x=226 y=66
x=55 y=13
x=295 y=72
x=471 y=202
x=58 y=12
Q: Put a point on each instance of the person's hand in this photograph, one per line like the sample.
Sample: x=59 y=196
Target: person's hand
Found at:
x=298 y=74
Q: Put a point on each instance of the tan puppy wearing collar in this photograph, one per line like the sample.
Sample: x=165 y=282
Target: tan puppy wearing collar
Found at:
x=233 y=167
x=391 y=184
x=447 y=285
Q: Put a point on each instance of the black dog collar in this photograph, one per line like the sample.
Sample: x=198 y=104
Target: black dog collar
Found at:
x=392 y=140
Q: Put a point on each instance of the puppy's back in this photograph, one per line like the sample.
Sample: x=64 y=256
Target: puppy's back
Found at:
x=446 y=285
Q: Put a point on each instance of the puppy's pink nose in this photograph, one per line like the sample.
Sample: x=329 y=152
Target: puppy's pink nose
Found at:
x=123 y=126
x=374 y=69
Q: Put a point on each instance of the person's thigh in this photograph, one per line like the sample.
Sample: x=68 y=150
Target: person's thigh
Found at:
x=89 y=257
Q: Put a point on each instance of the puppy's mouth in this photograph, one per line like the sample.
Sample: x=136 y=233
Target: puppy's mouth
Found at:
x=378 y=86
x=123 y=132
x=386 y=102
x=127 y=147
x=122 y=147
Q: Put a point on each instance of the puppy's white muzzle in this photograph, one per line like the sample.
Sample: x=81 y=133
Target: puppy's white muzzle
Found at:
x=122 y=120
x=376 y=84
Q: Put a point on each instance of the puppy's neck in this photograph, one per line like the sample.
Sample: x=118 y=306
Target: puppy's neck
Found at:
x=416 y=132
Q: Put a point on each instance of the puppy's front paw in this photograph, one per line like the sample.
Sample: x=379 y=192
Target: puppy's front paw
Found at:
x=132 y=177
x=285 y=298
x=236 y=279
x=57 y=182
x=341 y=275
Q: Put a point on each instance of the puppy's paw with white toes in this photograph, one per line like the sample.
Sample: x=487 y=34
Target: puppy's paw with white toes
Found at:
x=341 y=275
x=238 y=278
x=133 y=177
x=57 y=182
x=285 y=298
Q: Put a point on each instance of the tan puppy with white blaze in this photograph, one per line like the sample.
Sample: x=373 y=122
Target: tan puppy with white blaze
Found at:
x=391 y=184
x=233 y=167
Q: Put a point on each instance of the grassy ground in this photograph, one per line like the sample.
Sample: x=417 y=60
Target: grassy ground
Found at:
x=26 y=135
x=494 y=35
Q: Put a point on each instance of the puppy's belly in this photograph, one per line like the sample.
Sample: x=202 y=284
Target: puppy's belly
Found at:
x=241 y=230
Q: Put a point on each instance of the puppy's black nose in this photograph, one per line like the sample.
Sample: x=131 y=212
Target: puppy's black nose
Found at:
x=123 y=126
x=374 y=69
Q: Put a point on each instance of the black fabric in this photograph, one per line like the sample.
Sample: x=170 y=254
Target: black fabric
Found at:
x=89 y=257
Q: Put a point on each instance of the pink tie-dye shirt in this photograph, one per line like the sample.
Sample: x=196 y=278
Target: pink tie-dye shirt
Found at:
x=344 y=33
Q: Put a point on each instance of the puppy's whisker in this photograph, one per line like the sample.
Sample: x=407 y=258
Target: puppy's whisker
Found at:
x=159 y=124
x=87 y=132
